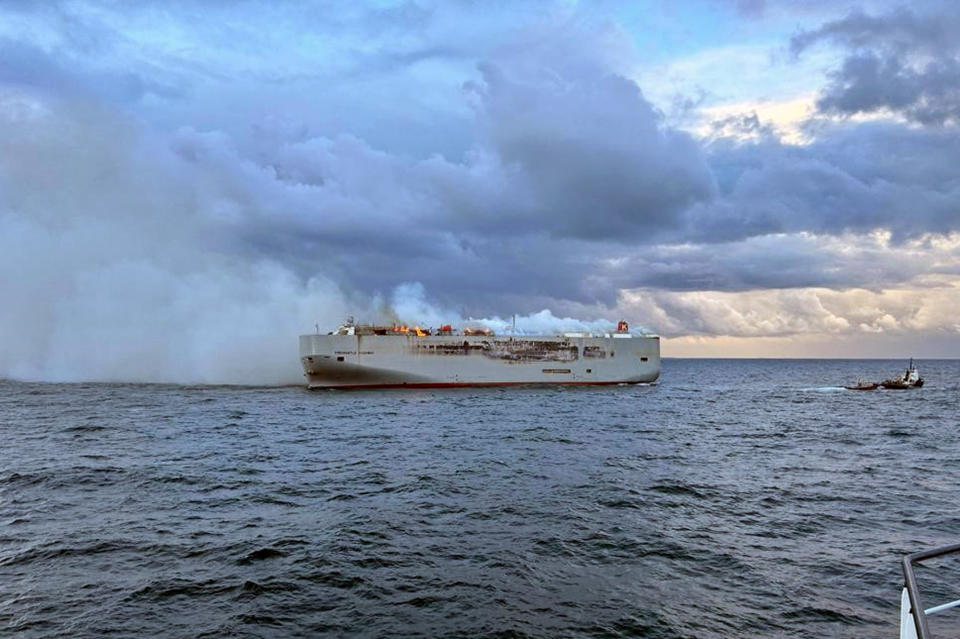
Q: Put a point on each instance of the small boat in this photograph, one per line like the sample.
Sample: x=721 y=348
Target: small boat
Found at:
x=863 y=386
x=910 y=379
x=913 y=615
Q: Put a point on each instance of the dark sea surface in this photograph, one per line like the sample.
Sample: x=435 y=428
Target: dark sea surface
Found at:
x=734 y=498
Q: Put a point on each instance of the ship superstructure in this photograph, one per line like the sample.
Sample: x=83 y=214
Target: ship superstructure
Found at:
x=371 y=356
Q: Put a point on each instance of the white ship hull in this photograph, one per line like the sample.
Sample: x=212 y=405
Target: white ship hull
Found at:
x=408 y=361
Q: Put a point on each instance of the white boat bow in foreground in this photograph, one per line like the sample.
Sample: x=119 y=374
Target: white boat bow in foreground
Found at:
x=913 y=616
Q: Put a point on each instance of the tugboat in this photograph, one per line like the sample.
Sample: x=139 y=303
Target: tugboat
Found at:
x=910 y=379
x=863 y=386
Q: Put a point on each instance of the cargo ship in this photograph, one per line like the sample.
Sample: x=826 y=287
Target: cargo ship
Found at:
x=371 y=356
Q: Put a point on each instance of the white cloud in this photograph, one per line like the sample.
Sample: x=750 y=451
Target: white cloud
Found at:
x=786 y=118
x=802 y=312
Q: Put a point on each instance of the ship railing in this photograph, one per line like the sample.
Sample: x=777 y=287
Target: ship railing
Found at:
x=911 y=595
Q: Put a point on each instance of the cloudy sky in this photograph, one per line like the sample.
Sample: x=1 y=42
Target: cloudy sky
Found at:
x=186 y=186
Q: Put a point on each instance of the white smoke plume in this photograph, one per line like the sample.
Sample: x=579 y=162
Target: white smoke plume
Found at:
x=409 y=305
x=115 y=271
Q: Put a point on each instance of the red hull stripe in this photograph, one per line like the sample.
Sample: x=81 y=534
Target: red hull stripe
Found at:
x=466 y=385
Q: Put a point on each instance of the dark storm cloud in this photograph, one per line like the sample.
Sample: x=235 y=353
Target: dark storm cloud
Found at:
x=774 y=262
x=852 y=178
x=375 y=220
x=902 y=61
x=594 y=159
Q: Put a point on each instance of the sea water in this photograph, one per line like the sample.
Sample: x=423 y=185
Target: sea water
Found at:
x=733 y=498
